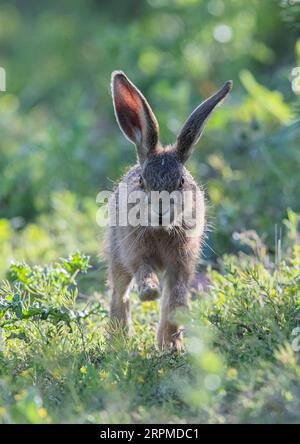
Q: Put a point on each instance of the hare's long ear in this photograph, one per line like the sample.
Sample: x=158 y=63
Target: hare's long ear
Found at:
x=193 y=127
x=134 y=115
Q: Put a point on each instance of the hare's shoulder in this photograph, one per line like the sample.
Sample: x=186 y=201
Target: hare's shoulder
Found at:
x=129 y=182
x=132 y=176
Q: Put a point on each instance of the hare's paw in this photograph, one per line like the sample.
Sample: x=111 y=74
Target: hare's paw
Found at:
x=149 y=292
x=170 y=337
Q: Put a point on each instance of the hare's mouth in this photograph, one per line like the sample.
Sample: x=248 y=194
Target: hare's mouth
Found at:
x=161 y=218
x=161 y=213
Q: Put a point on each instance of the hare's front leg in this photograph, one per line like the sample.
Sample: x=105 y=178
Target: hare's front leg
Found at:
x=147 y=283
x=120 y=303
x=175 y=298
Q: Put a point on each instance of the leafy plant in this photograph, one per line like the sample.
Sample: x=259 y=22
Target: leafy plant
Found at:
x=43 y=296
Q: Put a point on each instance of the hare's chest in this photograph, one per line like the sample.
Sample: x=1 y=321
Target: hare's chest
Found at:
x=159 y=247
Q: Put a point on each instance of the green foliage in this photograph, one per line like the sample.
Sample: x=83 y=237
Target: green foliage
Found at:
x=60 y=363
x=70 y=224
x=261 y=306
x=57 y=126
x=42 y=294
x=291 y=13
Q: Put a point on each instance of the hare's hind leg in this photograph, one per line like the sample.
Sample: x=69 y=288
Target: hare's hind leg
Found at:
x=147 y=282
x=120 y=303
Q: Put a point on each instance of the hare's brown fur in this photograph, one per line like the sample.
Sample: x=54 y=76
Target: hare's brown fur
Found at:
x=143 y=251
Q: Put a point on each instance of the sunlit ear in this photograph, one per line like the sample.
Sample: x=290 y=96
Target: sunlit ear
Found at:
x=134 y=115
x=193 y=127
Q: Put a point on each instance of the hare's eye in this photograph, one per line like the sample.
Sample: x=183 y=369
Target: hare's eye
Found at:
x=141 y=182
x=181 y=182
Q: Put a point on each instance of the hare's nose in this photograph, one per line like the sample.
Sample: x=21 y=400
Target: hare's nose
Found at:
x=161 y=213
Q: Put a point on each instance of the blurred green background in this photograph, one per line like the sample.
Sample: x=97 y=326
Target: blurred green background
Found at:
x=60 y=144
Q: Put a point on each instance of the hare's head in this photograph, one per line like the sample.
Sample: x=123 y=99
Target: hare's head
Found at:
x=162 y=168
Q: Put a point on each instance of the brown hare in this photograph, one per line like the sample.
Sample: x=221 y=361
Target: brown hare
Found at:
x=141 y=251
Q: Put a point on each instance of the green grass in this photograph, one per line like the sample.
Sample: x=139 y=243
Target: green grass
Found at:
x=60 y=363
